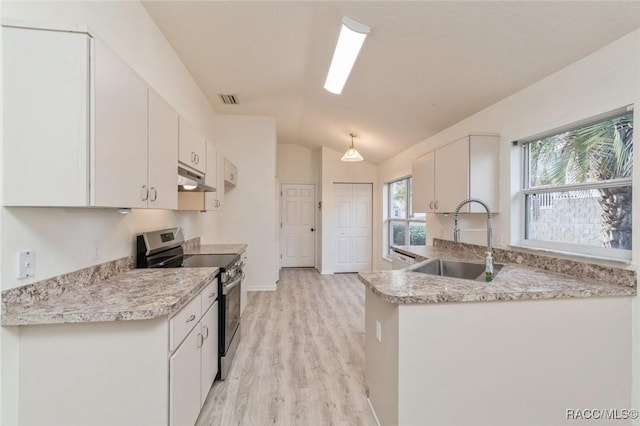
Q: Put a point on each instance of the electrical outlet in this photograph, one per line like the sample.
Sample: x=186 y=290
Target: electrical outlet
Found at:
x=378 y=331
x=26 y=264
x=96 y=248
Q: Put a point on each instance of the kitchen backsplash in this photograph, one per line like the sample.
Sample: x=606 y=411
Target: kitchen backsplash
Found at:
x=42 y=290
x=574 y=268
x=191 y=244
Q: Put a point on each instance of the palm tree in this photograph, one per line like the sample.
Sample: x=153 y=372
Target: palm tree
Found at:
x=599 y=152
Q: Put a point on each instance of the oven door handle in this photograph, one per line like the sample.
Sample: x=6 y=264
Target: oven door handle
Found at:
x=228 y=287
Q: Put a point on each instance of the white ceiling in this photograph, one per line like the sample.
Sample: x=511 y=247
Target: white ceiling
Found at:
x=423 y=67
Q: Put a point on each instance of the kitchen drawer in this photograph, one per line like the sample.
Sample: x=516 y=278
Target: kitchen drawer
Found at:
x=209 y=295
x=181 y=323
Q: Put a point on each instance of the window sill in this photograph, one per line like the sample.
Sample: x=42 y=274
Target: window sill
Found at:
x=387 y=258
x=569 y=255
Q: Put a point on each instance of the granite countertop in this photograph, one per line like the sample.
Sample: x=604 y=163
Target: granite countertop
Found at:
x=216 y=249
x=132 y=295
x=514 y=282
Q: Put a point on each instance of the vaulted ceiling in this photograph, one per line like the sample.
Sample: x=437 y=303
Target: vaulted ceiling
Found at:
x=424 y=66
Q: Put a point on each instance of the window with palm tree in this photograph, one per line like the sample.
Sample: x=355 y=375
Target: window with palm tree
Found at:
x=578 y=187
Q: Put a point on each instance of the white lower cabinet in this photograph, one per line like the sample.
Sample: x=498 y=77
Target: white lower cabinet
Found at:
x=194 y=365
x=209 y=351
x=144 y=372
x=184 y=382
x=192 y=370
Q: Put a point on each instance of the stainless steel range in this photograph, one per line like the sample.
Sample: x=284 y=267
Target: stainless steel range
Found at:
x=163 y=249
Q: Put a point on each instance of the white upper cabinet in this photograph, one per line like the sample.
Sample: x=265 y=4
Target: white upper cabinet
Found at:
x=119 y=153
x=484 y=172
x=423 y=173
x=77 y=130
x=162 y=154
x=466 y=168
x=451 y=175
x=230 y=172
x=46 y=117
x=193 y=147
x=220 y=175
x=212 y=200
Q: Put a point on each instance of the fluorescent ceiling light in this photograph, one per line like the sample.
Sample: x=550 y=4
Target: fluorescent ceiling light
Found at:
x=350 y=41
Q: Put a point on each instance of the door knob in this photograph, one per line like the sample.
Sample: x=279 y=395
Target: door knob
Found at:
x=312 y=229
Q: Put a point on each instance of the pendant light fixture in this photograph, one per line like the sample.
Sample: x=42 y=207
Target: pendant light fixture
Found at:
x=352 y=154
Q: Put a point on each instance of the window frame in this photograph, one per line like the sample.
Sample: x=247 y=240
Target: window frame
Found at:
x=526 y=190
x=408 y=220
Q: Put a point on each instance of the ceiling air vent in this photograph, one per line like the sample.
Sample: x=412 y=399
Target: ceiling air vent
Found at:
x=229 y=99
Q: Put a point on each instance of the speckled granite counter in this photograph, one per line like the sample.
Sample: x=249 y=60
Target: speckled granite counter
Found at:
x=216 y=249
x=516 y=281
x=132 y=295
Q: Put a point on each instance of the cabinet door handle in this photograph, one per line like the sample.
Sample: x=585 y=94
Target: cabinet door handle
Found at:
x=206 y=329
x=231 y=175
x=191 y=318
x=436 y=205
x=144 y=193
x=197 y=159
x=193 y=157
x=154 y=194
x=212 y=295
x=431 y=205
x=200 y=340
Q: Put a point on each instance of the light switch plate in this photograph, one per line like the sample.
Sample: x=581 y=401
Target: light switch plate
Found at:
x=26 y=264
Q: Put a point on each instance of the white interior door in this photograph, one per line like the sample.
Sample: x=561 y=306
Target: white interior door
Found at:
x=297 y=236
x=353 y=203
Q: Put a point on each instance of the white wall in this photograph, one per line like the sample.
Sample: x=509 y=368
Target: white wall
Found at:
x=603 y=81
x=297 y=164
x=62 y=238
x=333 y=171
x=249 y=210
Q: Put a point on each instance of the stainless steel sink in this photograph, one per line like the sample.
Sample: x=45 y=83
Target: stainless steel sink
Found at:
x=456 y=269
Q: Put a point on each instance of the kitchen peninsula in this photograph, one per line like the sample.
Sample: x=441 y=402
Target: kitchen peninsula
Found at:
x=522 y=349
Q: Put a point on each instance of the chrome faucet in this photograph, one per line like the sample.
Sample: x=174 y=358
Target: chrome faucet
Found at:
x=456 y=229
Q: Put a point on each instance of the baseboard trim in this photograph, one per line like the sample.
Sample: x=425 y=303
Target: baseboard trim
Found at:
x=373 y=412
x=265 y=287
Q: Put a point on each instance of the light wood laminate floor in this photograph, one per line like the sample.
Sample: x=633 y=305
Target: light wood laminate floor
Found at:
x=301 y=357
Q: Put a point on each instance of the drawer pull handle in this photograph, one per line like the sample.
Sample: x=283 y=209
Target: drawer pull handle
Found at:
x=200 y=340
x=206 y=329
x=191 y=318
